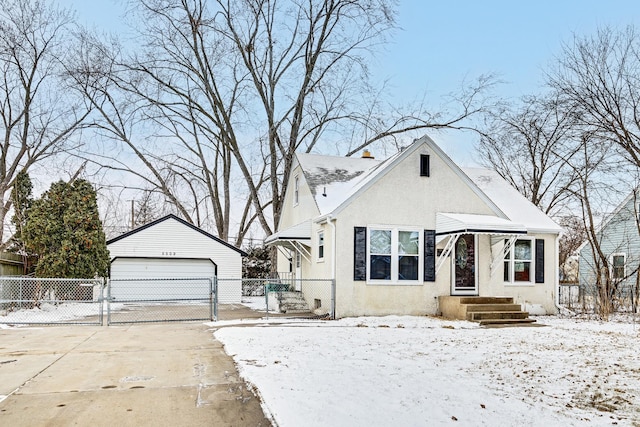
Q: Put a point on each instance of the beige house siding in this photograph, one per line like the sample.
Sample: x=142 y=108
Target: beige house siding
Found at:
x=357 y=298
x=442 y=191
x=401 y=198
x=305 y=208
x=537 y=298
x=295 y=213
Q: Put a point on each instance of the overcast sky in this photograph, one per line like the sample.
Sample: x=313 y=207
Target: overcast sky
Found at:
x=442 y=43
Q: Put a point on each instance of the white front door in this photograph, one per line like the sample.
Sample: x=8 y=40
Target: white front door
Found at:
x=464 y=277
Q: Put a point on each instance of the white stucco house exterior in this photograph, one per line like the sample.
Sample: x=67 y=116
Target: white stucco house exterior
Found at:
x=172 y=248
x=399 y=233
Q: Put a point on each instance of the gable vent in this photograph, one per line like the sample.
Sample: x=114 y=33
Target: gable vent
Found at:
x=424 y=165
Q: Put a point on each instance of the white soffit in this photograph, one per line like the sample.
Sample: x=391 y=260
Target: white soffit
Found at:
x=451 y=223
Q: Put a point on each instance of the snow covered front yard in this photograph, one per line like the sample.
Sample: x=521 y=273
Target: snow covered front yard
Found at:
x=420 y=371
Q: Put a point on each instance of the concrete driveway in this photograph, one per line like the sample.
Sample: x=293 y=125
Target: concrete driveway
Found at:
x=147 y=374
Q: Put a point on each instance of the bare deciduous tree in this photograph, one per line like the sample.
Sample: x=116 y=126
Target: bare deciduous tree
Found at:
x=532 y=148
x=224 y=94
x=37 y=112
x=595 y=166
x=598 y=78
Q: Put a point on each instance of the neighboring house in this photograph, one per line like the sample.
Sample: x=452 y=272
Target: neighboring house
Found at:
x=11 y=264
x=619 y=240
x=171 y=248
x=397 y=234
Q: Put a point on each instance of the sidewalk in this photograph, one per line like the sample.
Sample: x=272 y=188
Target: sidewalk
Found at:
x=132 y=375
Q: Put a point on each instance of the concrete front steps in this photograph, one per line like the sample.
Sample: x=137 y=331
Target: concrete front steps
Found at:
x=288 y=302
x=488 y=311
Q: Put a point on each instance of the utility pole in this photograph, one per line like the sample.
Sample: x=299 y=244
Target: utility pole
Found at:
x=133 y=222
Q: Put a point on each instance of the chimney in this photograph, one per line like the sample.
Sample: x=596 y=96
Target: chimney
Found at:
x=366 y=154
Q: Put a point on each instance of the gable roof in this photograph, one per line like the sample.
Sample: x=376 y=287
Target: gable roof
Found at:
x=331 y=178
x=343 y=191
x=632 y=196
x=510 y=201
x=336 y=181
x=181 y=221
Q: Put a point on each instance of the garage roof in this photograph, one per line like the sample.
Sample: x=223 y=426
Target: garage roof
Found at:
x=181 y=221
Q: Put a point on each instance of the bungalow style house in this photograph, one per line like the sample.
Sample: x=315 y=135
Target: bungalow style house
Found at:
x=619 y=241
x=399 y=235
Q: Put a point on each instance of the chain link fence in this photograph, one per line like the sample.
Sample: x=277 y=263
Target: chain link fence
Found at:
x=300 y=298
x=569 y=295
x=28 y=300
x=585 y=298
x=31 y=300
x=160 y=300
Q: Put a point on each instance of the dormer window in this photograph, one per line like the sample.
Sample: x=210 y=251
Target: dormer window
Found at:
x=424 y=165
x=296 y=190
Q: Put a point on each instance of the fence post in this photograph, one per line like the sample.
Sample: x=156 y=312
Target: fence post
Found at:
x=215 y=298
x=101 y=300
x=108 y=289
x=333 y=299
x=211 y=310
x=266 y=297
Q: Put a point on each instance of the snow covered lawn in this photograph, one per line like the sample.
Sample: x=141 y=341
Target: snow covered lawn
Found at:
x=49 y=313
x=419 y=371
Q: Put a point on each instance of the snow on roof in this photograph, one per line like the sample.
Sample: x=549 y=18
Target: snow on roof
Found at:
x=333 y=179
x=511 y=202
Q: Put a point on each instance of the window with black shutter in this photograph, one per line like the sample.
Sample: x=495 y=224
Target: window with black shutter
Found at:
x=539 y=261
x=429 y=255
x=360 y=253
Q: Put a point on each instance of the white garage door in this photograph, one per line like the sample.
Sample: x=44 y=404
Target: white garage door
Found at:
x=149 y=271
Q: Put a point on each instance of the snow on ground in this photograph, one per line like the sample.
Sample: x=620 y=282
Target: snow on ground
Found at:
x=421 y=371
x=258 y=303
x=51 y=313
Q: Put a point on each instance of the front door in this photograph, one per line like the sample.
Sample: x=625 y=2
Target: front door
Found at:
x=464 y=280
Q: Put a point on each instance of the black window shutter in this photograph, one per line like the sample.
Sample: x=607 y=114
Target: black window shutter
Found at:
x=360 y=253
x=539 y=261
x=429 y=255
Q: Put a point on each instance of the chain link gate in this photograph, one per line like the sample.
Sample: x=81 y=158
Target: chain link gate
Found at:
x=284 y=297
x=132 y=300
x=28 y=300
x=45 y=301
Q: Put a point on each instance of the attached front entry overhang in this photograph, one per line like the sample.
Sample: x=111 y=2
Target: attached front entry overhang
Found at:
x=296 y=238
x=451 y=226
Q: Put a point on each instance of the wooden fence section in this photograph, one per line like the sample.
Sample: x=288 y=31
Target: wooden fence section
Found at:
x=11 y=264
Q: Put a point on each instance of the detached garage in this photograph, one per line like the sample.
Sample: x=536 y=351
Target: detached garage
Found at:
x=172 y=248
